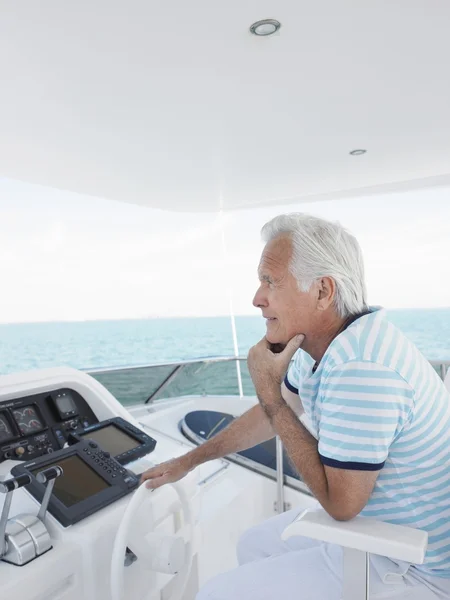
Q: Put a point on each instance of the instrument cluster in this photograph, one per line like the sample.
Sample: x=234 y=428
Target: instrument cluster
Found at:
x=40 y=424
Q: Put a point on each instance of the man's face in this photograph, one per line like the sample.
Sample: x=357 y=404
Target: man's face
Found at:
x=287 y=310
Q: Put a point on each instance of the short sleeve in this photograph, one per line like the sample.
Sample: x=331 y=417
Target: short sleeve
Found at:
x=363 y=408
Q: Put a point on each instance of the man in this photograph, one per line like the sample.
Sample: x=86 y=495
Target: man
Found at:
x=378 y=413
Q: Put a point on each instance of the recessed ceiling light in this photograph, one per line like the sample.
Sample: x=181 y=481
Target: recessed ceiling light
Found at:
x=357 y=152
x=265 y=27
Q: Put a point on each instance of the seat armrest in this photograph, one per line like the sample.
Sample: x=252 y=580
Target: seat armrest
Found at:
x=364 y=534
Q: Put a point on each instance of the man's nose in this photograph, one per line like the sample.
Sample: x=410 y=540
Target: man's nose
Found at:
x=259 y=299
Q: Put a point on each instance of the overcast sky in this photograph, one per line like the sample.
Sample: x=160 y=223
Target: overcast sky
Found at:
x=69 y=257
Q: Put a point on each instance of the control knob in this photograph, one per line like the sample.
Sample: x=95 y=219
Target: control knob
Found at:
x=19 y=451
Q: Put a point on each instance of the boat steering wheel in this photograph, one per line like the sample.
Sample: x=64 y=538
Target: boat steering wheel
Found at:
x=162 y=553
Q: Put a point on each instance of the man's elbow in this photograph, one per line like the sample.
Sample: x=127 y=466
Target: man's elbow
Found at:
x=344 y=513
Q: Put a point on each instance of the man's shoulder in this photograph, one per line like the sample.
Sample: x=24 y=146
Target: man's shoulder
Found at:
x=372 y=338
x=374 y=347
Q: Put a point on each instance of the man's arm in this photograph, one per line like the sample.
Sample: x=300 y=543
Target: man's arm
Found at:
x=248 y=430
x=251 y=428
x=342 y=493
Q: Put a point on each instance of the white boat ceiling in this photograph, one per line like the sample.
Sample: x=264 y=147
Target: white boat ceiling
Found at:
x=177 y=105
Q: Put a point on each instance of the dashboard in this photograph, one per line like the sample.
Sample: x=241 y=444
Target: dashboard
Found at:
x=58 y=430
x=40 y=424
x=90 y=479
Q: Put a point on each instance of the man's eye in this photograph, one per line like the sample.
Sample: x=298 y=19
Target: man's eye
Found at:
x=268 y=281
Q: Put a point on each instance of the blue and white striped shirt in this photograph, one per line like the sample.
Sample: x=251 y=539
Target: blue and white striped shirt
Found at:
x=376 y=403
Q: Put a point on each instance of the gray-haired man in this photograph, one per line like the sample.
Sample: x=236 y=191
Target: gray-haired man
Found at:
x=378 y=413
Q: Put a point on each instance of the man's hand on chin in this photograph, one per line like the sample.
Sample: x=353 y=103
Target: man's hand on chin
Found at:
x=268 y=367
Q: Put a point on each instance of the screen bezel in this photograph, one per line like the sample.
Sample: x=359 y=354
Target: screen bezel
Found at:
x=69 y=515
x=122 y=430
x=146 y=443
x=60 y=462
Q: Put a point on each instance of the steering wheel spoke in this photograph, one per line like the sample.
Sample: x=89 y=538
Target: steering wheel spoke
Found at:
x=157 y=551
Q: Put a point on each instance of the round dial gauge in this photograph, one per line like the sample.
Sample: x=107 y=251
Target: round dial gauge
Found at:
x=27 y=419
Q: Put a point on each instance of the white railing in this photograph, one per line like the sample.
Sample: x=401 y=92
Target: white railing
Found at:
x=176 y=367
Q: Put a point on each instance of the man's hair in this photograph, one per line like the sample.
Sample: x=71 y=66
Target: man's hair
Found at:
x=323 y=248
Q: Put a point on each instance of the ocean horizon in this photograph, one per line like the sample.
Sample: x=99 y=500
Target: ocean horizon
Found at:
x=95 y=344
x=155 y=317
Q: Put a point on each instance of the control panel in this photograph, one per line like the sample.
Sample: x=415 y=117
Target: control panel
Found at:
x=89 y=480
x=40 y=424
x=119 y=438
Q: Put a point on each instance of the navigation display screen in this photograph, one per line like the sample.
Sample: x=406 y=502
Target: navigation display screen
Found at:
x=78 y=481
x=28 y=420
x=112 y=439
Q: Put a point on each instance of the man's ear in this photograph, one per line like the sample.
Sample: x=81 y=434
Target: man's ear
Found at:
x=326 y=289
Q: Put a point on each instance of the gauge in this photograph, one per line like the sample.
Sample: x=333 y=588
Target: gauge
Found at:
x=27 y=419
x=5 y=429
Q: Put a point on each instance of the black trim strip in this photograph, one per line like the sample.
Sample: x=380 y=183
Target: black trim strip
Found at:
x=351 y=466
x=289 y=386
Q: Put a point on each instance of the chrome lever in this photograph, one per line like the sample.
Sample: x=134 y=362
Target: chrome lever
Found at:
x=4 y=521
x=8 y=487
x=31 y=527
x=48 y=476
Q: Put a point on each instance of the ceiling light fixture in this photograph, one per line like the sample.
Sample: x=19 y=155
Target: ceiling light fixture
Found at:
x=265 y=27
x=357 y=152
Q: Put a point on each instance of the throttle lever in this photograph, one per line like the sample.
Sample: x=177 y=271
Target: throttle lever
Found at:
x=48 y=476
x=7 y=487
x=14 y=483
